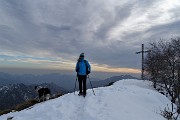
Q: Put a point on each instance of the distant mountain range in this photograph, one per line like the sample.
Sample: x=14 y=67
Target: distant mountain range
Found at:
x=67 y=82
x=113 y=79
x=61 y=80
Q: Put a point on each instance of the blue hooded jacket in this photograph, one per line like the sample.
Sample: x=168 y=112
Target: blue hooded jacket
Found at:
x=81 y=67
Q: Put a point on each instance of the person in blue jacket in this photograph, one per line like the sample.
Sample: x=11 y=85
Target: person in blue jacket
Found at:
x=83 y=68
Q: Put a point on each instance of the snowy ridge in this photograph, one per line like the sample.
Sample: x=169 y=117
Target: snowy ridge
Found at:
x=125 y=100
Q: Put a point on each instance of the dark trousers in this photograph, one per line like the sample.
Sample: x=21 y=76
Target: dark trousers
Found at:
x=82 y=83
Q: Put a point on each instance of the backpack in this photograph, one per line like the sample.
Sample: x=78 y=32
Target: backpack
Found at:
x=87 y=70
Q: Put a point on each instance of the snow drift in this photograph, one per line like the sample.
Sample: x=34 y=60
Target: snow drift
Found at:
x=125 y=100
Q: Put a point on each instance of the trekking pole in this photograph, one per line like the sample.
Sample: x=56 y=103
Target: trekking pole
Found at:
x=91 y=84
x=75 y=85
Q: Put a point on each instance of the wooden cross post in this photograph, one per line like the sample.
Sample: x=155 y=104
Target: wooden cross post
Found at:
x=142 y=52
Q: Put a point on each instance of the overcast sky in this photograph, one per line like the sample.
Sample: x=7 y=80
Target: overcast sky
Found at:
x=50 y=34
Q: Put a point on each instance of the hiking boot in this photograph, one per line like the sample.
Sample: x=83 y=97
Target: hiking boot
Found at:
x=84 y=94
x=80 y=94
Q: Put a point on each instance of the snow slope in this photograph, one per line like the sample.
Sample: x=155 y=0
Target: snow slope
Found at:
x=125 y=100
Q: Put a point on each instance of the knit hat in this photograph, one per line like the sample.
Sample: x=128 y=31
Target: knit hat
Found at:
x=81 y=55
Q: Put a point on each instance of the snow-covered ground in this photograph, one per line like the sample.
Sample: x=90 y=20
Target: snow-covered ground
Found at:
x=125 y=100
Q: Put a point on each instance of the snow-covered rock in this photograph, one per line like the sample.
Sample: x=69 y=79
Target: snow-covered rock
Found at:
x=128 y=99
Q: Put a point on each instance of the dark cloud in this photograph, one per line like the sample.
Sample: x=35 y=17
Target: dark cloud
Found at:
x=120 y=14
x=54 y=28
x=163 y=29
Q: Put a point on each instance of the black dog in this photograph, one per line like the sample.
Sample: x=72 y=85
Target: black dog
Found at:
x=44 y=93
